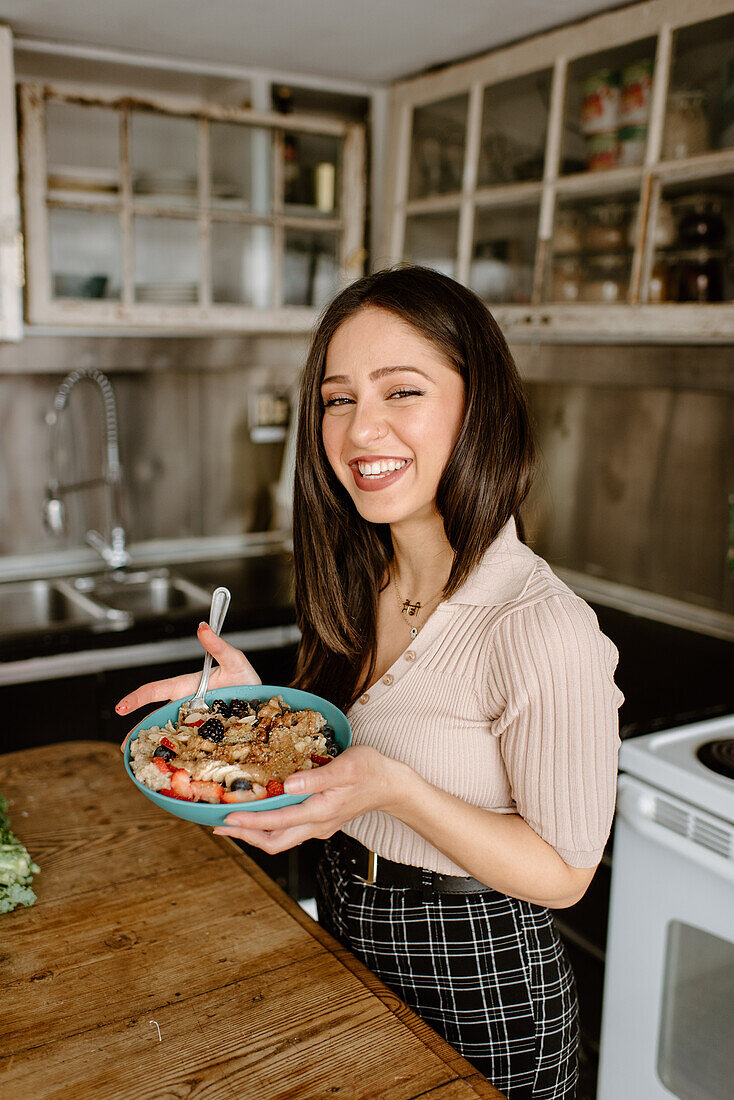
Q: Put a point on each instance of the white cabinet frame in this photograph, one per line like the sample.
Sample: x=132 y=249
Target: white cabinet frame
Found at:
x=11 y=247
x=635 y=321
x=44 y=309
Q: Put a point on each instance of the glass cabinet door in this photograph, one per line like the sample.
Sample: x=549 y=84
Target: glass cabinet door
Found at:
x=82 y=152
x=163 y=159
x=592 y=249
x=607 y=110
x=514 y=128
x=437 y=147
x=699 y=114
x=11 y=312
x=85 y=249
x=432 y=240
x=311 y=174
x=503 y=257
x=241 y=168
x=692 y=242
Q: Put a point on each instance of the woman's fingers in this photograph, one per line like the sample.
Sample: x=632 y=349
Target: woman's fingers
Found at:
x=231 y=661
x=234 y=669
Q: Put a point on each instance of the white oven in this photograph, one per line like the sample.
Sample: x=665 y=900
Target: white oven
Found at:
x=668 y=1016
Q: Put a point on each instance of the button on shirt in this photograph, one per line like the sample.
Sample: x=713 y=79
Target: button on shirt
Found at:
x=506 y=699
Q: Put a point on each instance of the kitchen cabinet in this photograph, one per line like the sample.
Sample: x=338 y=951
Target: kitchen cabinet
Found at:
x=168 y=212
x=11 y=253
x=582 y=182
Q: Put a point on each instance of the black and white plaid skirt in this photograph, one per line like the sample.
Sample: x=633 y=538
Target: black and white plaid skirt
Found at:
x=487 y=972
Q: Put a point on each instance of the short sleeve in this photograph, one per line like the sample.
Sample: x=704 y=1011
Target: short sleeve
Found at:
x=559 y=729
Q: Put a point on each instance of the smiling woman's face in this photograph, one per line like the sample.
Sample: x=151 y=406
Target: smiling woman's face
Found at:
x=393 y=406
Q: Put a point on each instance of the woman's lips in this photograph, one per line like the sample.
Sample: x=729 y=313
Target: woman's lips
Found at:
x=372 y=484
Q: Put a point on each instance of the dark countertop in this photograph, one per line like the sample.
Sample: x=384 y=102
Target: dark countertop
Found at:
x=669 y=675
x=262 y=596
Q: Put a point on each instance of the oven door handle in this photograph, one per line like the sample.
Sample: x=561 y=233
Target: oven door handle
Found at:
x=686 y=829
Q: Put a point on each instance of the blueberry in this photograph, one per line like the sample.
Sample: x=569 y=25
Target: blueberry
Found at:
x=241 y=785
x=164 y=753
x=213 y=730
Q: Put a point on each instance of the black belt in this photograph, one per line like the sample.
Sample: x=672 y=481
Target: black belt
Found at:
x=376 y=871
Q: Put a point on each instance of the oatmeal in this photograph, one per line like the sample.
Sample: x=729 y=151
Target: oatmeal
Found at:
x=238 y=751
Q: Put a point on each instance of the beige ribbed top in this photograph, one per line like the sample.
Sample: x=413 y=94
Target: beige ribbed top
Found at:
x=505 y=699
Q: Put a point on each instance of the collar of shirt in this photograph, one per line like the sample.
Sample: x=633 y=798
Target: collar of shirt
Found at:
x=502 y=574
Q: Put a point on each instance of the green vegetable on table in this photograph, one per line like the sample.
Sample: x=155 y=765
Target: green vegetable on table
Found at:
x=16 y=867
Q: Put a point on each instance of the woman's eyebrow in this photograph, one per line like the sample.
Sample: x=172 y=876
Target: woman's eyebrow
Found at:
x=379 y=373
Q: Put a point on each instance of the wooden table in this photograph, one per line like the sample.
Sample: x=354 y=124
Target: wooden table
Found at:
x=146 y=922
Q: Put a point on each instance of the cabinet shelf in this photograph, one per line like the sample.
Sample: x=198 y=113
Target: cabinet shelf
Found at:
x=615 y=92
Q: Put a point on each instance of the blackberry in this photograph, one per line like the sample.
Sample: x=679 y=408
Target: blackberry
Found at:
x=220 y=706
x=239 y=708
x=332 y=749
x=241 y=785
x=213 y=730
x=164 y=753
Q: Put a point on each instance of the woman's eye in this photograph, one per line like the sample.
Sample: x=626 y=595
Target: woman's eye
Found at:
x=333 y=402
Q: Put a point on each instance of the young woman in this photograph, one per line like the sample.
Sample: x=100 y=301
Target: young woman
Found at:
x=479 y=790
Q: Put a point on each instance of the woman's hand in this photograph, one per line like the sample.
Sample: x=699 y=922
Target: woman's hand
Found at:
x=232 y=669
x=359 y=780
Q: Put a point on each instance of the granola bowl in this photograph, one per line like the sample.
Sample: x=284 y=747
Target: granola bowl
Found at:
x=294 y=702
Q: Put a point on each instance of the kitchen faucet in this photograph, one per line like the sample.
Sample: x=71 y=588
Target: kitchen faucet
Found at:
x=54 y=511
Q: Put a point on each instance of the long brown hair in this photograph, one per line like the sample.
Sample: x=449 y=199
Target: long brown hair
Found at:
x=341 y=559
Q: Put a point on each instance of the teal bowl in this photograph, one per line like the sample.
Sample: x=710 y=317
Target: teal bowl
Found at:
x=206 y=813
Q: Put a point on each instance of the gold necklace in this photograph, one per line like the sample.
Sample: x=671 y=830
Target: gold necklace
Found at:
x=410 y=609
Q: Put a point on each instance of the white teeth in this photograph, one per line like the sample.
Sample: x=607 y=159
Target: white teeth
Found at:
x=380 y=469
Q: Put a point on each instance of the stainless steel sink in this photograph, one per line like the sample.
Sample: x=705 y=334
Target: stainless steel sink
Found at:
x=28 y=606
x=143 y=593
x=106 y=601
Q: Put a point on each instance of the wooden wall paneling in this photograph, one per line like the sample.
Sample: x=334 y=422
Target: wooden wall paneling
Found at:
x=559 y=413
x=688 y=504
x=160 y=454
x=616 y=482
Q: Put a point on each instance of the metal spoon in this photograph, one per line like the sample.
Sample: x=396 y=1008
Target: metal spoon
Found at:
x=220 y=603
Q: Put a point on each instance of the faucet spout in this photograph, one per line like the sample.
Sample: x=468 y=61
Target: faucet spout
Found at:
x=111 y=550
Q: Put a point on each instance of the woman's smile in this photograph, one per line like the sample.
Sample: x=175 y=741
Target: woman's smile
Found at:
x=374 y=472
x=393 y=407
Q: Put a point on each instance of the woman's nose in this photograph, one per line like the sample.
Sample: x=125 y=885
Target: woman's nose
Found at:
x=367 y=424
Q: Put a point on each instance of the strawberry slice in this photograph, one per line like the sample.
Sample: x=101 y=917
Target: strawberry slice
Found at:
x=206 y=792
x=181 y=784
x=319 y=761
x=274 y=787
x=169 y=744
x=161 y=765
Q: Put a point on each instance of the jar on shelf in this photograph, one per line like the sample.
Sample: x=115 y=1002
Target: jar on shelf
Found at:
x=700 y=220
x=698 y=275
x=632 y=144
x=600 y=103
x=658 y=284
x=634 y=109
x=605 y=227
x=567 y=279
x=606 y=279
x=567 y=231
x=664 y=231
x=686 y=125
x=602 y=151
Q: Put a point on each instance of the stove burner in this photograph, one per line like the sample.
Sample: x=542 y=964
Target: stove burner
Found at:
x=718 y=756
